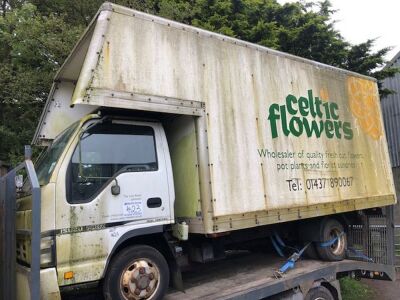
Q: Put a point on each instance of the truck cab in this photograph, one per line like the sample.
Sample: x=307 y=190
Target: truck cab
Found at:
x=104 y=180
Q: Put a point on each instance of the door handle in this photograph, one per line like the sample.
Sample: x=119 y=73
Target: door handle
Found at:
x=154 y=202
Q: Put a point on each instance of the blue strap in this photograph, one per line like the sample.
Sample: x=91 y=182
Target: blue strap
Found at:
x=290 y=263
x=331 y=242
x=359 y=254
x=278 y=239
x=276 y=246
x=304 y=249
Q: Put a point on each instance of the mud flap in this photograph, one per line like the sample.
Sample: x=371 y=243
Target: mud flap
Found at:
x=176 y=276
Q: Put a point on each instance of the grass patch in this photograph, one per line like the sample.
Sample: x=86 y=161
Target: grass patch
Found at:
x=355 y=290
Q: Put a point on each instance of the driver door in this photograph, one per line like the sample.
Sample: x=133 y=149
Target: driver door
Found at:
x=117 y=181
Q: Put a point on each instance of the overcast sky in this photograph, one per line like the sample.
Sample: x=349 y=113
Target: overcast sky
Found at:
x=359 y=20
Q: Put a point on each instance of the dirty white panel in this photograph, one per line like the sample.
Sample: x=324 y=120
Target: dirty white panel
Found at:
x=265 y=151
x=59 y=114
x=65 y=79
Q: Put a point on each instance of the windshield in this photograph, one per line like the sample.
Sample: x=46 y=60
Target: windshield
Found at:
x=46 y=164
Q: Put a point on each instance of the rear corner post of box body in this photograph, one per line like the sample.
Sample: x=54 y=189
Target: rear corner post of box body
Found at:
x=204 y=172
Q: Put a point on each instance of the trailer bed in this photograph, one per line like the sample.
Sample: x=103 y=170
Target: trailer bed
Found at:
x=251 y=276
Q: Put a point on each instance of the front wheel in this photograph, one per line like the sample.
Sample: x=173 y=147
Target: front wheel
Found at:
x=319 y=293
x=136 y=272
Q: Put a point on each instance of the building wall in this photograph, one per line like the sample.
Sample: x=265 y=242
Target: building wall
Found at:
x=391 y=114
x=396 y=177
x=391 y=117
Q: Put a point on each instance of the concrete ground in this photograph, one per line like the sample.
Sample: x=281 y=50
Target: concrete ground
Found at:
x=385 y=290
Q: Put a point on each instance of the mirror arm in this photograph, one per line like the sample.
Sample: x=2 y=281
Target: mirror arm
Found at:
x=80 y=171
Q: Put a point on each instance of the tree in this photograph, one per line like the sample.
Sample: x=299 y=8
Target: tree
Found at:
x=362 y=60
x=302 y=29
x=78 y=12
x=32 y=48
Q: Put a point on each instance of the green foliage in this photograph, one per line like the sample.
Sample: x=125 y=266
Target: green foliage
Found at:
x=362 y=60
x=78 y=12
x=181 y=11
x=37 y=35
x=32 y=48
x=355 y=290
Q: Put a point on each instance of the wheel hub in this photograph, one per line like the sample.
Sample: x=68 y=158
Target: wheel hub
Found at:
x=338 y=246
x=143 y=282
x=139 y=280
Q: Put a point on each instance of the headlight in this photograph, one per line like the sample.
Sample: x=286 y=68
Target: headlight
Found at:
x=47 y=252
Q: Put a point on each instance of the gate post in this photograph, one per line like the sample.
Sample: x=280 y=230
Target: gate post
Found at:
x=7 y=237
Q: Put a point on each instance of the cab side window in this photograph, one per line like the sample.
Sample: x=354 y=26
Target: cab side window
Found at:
x=103 y=151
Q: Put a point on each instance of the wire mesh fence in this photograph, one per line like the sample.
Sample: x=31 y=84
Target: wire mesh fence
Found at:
x=397 y=245
x=373 y=240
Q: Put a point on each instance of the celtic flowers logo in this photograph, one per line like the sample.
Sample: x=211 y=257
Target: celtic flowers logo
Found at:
x=309 y=115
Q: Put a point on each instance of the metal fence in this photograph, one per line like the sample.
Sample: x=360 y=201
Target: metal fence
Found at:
x=8 y=204
x=397 y=245
x=374 y=238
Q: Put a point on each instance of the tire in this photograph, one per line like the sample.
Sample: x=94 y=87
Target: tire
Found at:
x=136 y=272
x=329 y=229
x=319 y=293
x=311 y=252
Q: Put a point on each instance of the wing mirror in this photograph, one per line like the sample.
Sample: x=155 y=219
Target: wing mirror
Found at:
x=115 y=189
x=19 y=181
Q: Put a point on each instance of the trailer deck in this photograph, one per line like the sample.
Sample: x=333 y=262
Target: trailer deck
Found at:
x=251 y=276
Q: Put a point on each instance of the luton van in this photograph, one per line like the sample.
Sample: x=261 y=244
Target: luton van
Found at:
x=169 y=145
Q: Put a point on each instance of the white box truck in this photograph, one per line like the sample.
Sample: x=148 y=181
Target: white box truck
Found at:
x=169 y=144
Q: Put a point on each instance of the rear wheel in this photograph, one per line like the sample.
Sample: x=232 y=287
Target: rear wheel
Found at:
x=311 y=252
x=332 y=229
x=319 y=293
x=137 y=272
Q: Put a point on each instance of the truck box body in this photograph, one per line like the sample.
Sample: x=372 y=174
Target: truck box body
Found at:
x=258 y=136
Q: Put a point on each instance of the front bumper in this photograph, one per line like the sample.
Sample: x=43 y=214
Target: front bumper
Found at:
x=49 y=289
